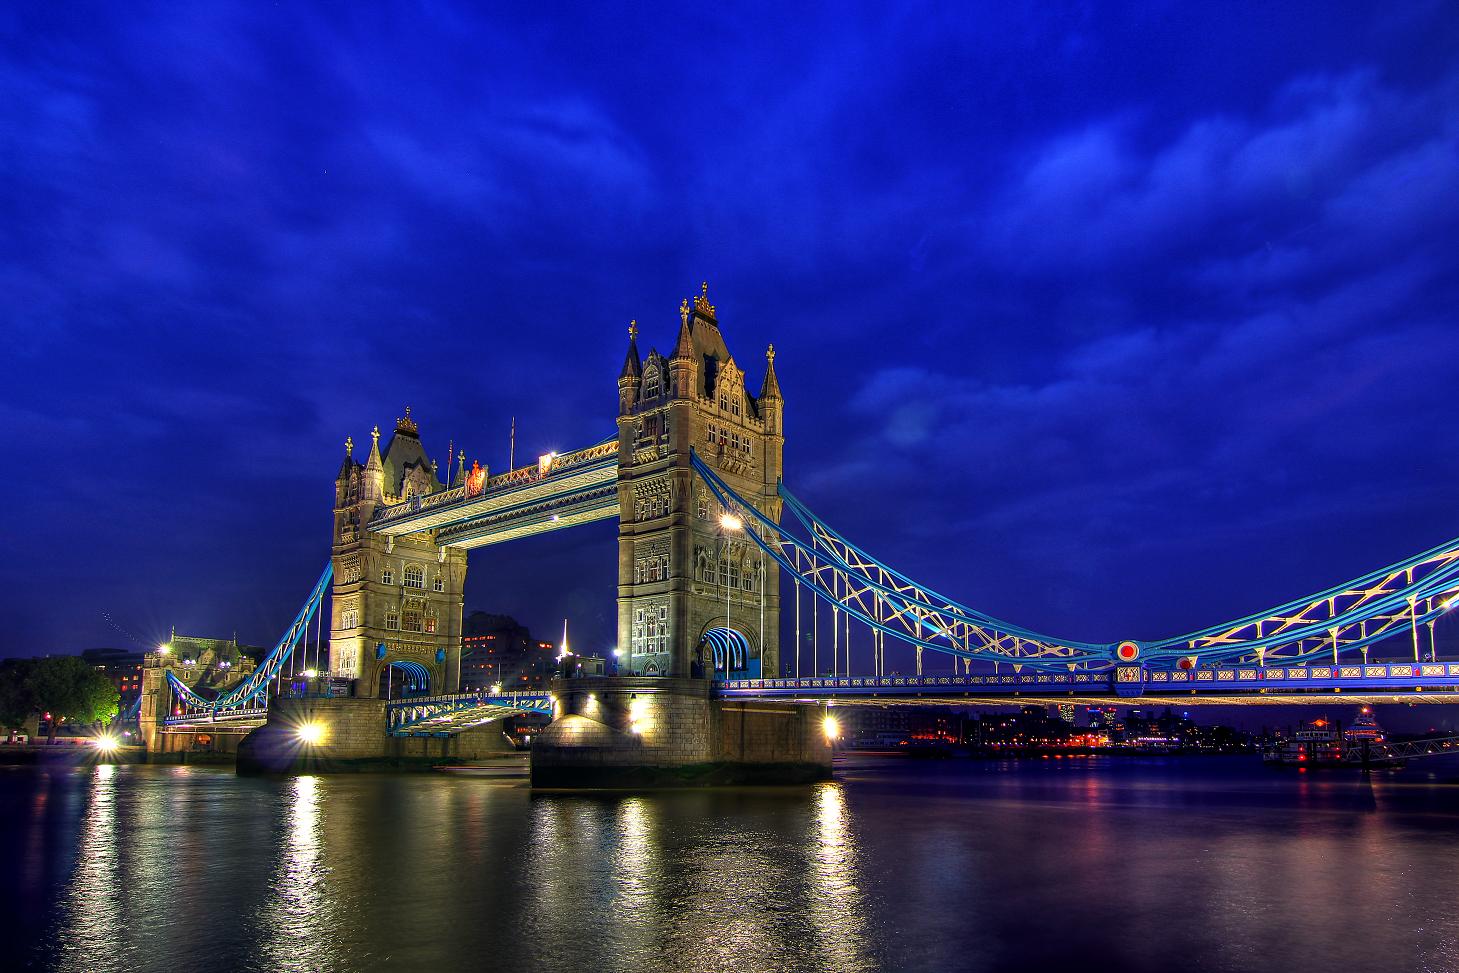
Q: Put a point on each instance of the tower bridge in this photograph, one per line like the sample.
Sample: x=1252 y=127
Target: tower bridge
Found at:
x=709 y=538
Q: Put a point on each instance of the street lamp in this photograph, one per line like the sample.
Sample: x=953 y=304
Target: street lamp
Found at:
x=728 y=522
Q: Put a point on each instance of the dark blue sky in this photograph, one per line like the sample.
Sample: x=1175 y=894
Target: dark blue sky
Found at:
x=1112 y=321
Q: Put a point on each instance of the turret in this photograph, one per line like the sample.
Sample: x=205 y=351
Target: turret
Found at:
x=683 y=365
x=770 y=400
x=373 y=482
x=631 y=378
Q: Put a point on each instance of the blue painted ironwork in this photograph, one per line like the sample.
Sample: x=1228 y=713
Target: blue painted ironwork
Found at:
x=724 y=641
x=1435 y=680
x=254 y=687
x=444 y=715
x=1334 y=624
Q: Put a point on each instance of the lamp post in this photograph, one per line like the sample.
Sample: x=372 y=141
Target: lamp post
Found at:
x=727 y=522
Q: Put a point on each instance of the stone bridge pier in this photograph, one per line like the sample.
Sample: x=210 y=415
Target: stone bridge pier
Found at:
x=656 y=731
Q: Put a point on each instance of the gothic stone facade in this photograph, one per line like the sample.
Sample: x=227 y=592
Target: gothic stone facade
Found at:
x=395 y=599
x=681 y=572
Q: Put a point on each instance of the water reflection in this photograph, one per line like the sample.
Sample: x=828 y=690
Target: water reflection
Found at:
x=297 y=919
x=94 y=897
x=837 y=905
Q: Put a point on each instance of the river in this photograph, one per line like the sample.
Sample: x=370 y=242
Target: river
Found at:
x=1062 y=865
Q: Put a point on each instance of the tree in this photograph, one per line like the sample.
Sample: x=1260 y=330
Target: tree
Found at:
x=17 y=699
x=70 y=690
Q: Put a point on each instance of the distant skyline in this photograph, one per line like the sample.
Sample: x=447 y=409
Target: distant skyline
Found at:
x=1113 y=321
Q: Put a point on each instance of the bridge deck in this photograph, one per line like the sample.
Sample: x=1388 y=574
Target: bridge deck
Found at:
x=562 y=491
x=1131 y=685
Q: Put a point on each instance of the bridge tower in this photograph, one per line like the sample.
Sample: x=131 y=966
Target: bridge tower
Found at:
x=692 y=587
x=395 y=619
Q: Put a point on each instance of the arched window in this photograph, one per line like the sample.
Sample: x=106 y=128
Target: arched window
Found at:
x=349 y=618
x=439 y=584
x=415 y=576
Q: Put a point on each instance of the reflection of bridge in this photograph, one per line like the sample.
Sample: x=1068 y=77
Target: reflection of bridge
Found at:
x=705 y=552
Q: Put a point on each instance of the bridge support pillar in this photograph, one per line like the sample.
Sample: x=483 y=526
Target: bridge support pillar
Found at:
x=323 y=735
x=629 y=732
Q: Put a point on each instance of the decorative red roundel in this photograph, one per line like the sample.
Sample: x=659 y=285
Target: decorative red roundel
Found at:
x=1186 y=663
x=1127 y=651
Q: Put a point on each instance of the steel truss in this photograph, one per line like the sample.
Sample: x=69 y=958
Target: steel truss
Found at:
x=256 y=685
x=1340 y=621
x=444 y=715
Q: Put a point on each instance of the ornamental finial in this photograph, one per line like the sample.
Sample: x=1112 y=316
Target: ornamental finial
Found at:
x=701 y=303
x=684 y=311
x=406 y=425
x=633 y=329
x=375 y=435
x=349 y=446
x=770 y=353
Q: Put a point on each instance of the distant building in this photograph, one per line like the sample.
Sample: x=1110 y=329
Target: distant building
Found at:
x=1066 y=713
x=122 y=666
x=499 y=649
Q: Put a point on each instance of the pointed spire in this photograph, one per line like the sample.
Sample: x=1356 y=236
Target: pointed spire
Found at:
x=632 y=367
x=349 y=446
x=684 y=347
x=771 y=388
x=374 y=463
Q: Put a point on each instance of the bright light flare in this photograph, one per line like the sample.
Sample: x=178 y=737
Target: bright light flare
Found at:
x=310 y=733
x=107 y=743
x=496 y=689
x=731 y=522
x=832 y=727
x=311 y=673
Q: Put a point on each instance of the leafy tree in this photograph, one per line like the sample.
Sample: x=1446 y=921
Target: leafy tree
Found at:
x=70 y=690
x=17 y=700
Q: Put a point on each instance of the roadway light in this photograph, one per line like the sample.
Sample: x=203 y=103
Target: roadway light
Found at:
x=310 y=733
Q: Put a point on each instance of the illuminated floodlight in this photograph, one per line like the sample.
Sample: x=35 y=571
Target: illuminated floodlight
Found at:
x=832 y=727
x=731 y=522
x=1451 y=602
x=617 y=653
x=496 y=688
x=311 y=673
x=107 y=743
x=164 y=649
x=310 y=733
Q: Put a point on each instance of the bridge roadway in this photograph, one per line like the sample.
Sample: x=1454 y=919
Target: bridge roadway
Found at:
x=556 y=492
x=1428 y=682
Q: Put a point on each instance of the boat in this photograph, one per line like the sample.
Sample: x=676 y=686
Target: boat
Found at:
x=1315 y=744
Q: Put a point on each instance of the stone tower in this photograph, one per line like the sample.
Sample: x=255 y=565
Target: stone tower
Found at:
x=395 y=620
x=692 y=588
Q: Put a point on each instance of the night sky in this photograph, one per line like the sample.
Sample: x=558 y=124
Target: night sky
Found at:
x=1111 y=322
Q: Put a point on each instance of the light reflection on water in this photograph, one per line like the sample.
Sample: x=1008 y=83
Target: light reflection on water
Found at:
x=894 y=866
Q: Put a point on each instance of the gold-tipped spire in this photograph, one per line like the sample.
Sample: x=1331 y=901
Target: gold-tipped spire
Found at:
x=349 y=446
x=633 y=329
x=407 y=424
x=684 y=312
x=375 y=436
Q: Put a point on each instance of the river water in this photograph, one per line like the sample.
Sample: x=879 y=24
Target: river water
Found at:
x=1077 y=865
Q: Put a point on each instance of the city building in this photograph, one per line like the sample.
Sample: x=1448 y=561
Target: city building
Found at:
x=122 y=666
x=499 y=649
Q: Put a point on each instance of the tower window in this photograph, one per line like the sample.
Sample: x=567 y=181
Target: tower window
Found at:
x=387 y=576
x=392 y=620
x=439 y=584
x=415 y=576
x=410 y=621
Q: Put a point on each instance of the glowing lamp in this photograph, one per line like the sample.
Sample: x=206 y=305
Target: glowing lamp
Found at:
x=310 y=733
x=311 y=673
x=107 y=743
x=731 y=522
x=496 y=688
x=832 y=727
x=164 y=649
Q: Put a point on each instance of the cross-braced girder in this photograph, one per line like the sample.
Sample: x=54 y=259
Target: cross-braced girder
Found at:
x=255 y=686
x=1400 y=599
x=444 y=715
